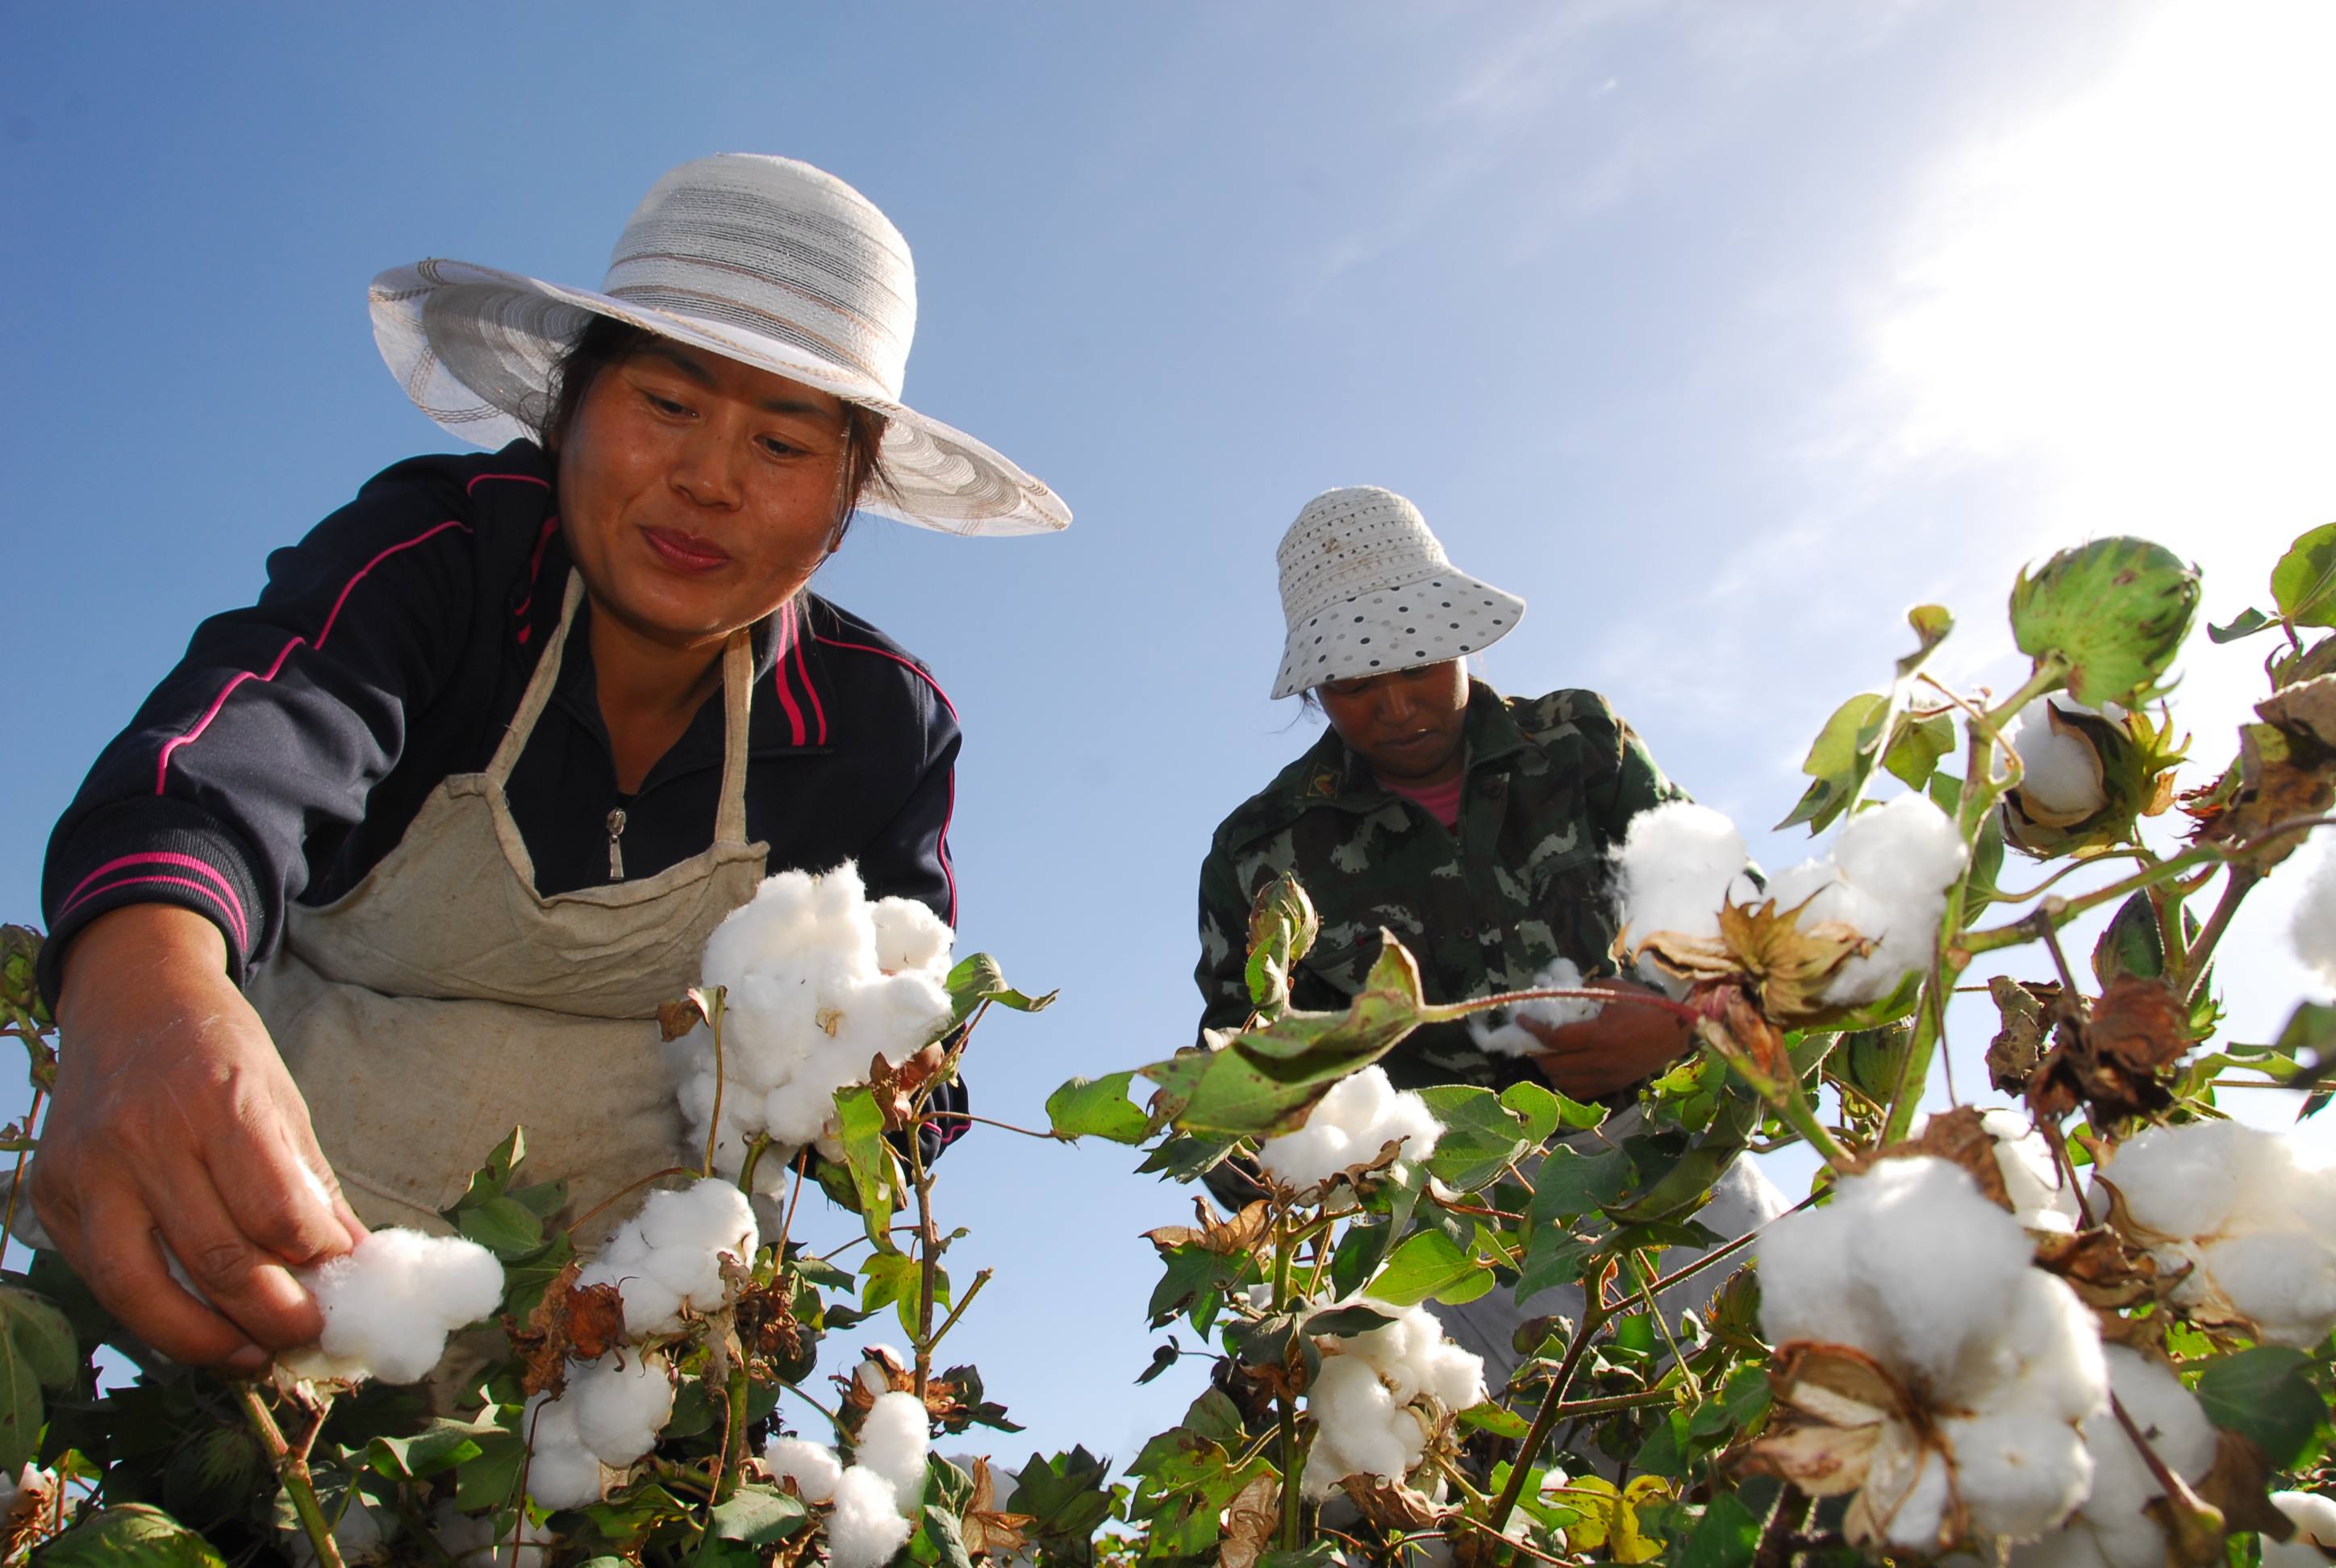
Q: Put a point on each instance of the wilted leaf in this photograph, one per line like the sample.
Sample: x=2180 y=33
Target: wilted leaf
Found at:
x=583 y=1321
x=1237 y=1237
x=2105 y=1273
x=990 y=1529
x=2116 y=610
x=678 y=1016
x=2281 y=777
x=1250 y=1521
x=896 y=1088
x=2018 y=1048
x=2238 y=1487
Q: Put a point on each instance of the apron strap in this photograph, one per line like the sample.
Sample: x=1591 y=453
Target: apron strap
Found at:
x=737 y=698
x=539 y=687
x=737 y=695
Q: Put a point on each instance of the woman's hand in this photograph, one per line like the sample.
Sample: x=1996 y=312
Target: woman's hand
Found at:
x=1622 y=1045
x=175 y=1124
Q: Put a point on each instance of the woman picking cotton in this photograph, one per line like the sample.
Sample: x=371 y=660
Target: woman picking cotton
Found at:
x=411 y=850
x=1477 y=827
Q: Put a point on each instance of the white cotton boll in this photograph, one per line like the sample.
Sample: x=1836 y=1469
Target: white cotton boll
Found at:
x=1908 y=850
x=865 y=1530
x=621 y=1403
x=471 y=1539
x=2167 y=1414
x=908 y=936
x=2179 y=1181
x=2313 y=930
x=707 y=1216
x=565 y=1478
x=2042 y=1198
x=2285 y=1282
x=389 y=1304
x=1674 y=870
x=1366 y=1431
x=874 y=1374
x=2058 y=772
x=696 y=1098
x=895 y=1439
x=2020 y=1475
x=2315 y=1518
x=1361 y=1114
x=812 y=1467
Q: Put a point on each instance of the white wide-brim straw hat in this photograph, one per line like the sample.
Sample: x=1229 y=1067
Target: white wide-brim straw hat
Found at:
x=763 y=260
x=1366 y=590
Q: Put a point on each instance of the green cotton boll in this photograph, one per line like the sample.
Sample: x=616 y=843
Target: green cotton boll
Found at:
x=2116 y=610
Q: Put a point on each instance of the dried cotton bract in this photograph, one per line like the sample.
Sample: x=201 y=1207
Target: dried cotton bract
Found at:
x=1513 y=1038
x=1382 y=1394
x=390 y=1303
x=608 y=1416
x=666 y=1262
x=819 y=982
x=1925 y=1365
x=1360 y=1115
x=2252 y=1215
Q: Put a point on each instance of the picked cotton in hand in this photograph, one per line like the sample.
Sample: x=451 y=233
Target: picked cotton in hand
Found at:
x=1361 y=1114
x=1513 y=1038
x=2251 y=1213
x=666 y=1262
x=390 y=1303
x=818 y=982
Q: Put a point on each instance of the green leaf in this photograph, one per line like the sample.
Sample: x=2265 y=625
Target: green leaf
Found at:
x=502 y=1225
x=1552 y=1257
x=491 y=1178
x=1570 y=1182
x=1726 y=1536
x=940 y=1529
x=1916 y=746
x=868 y=1159
x=1497 y=1419
x=1068 y=1496
x=42 y=1335
x=1282 y=926
x=1347 y=1322
x=129 y=1534
x=543 y=1199
x=440 y=1445
x=758 y=1516
x=492 y=1479
x=1430 y=1266
x=2246 y=623
x=2131 y=944
x=2115 y=609
x=1263 y=1082
x=894 y=1279
x=1193 y=1282
x=2303 y=583
x=1097 y=1107
x=977 y=978
x=20 y=1407
x=1840 y=759
x=1481 y=1135
x=2266 y=1395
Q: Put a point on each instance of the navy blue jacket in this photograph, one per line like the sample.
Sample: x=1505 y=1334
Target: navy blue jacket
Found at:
x=291 y=747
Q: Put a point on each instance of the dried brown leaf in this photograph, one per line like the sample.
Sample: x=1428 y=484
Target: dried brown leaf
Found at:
x=2306 y=711
x=1250 y=1521
x=1242 y=1233
x=2282 y=775
x=2105 y=1273
x=986 y=1528
x=2018 y=1048
x=2238 y=1486
x=1390 y=1505
x=582 y=1321
x=896 y=1088
x=1959 y=1137
x=678 y=1016
x=1789 y=965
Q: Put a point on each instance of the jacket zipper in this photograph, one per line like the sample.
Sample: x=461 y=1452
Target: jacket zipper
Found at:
x=617 y=845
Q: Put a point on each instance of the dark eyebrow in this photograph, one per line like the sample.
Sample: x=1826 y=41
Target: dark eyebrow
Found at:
x=694 y=369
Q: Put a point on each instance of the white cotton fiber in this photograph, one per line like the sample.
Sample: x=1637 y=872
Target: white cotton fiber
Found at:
x=2060 y=772
x=1676 y=866
x=471 y=1539
x=819 y=981
x=565 y=1477
x=621 y=1402
x=895 y=1439
x=666 y=1262
x=865 y=1530
x=2042 y=1198
x=389 y=1305
x=812 y=1467
x=1381 y=1393
x=2315 y=1518
x=1512 y=1039
x=2109 y=1529
x=1361 y=1114
x=2313 y=930
x=2250 y=1213
x=1886 y=878
x=1911 y=1265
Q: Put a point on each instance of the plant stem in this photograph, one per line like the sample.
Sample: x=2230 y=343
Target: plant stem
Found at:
x=1594 y=1314
x=16 y=1182
x=292 y=1474
x=753 y=1162
x=2013 y=933
x=2190 y=975
x=713 y=1122
x=1293 y=1462
x=1787 y=1099
x=733 y=1467
x=1049 y=1137
x=928 y=1258
x=963 y=1301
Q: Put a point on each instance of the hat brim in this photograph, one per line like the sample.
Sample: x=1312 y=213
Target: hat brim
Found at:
x=1441 y=614
x=476 y=347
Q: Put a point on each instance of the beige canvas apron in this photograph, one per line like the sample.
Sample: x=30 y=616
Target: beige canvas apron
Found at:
x=442 y=1000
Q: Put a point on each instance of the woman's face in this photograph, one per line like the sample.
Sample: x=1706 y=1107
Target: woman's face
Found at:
x=697 y=493
x=1408 y=724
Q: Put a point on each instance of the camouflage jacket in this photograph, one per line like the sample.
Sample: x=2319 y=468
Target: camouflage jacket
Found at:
x=1552 y=783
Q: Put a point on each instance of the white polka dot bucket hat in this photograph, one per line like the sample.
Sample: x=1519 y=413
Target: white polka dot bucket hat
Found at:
x=1366 y=590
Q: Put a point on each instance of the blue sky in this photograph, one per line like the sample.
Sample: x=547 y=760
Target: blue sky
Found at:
x=1722 y=334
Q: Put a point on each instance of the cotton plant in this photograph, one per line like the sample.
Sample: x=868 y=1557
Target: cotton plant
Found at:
x=818 y=982
x=1351 y=1126
x=2245 y=1216
x=666 y=1260
x=1384 y=1395
x=390 y=1303
x=1925 y=1364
